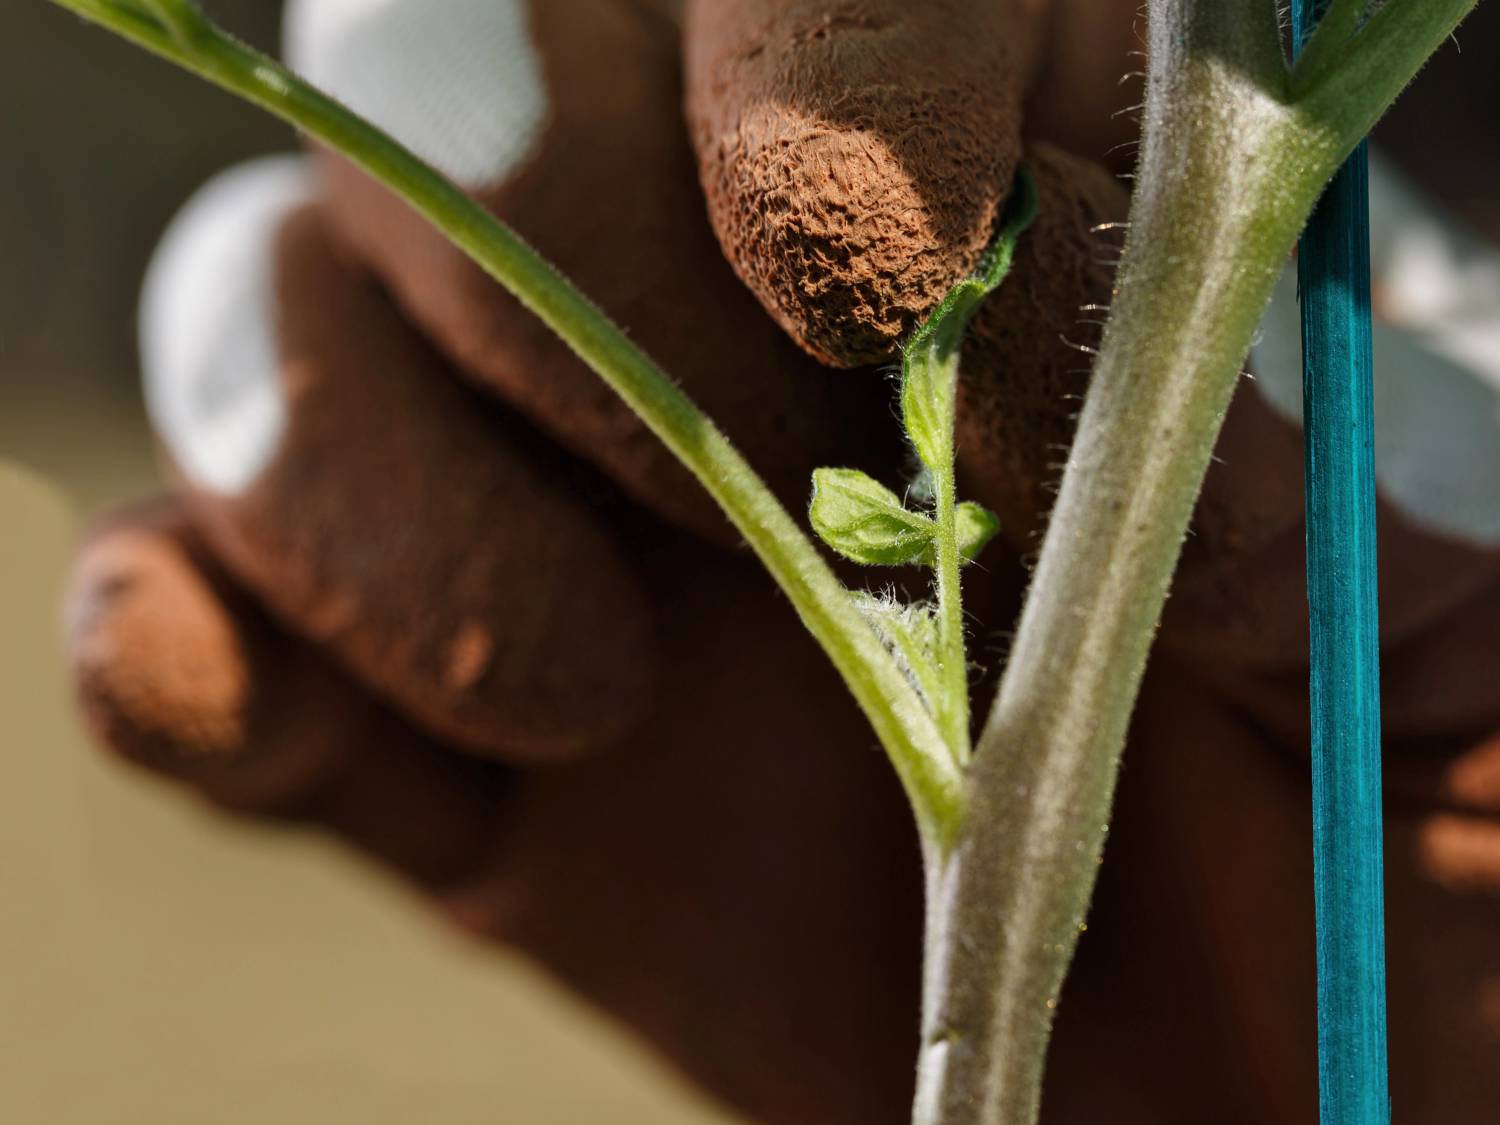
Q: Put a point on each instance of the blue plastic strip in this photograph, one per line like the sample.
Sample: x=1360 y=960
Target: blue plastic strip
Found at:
x=1334 y=281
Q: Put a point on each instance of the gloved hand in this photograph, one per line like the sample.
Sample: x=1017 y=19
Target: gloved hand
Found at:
x=421 y=581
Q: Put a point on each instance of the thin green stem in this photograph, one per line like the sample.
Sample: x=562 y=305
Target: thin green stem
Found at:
x=953 y=664
x=929 y=407
x=1230 y=168
x=929 y=396
x=916 y=746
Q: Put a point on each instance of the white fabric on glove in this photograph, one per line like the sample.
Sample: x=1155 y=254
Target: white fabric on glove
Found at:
x=208 y=351
x=456 y=81
x=1436 y=295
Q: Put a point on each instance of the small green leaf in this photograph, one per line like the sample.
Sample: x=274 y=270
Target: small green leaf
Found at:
x=910 y=632
x=975 y=526
x=866 y=522
x=929 y=382
x=929 y=362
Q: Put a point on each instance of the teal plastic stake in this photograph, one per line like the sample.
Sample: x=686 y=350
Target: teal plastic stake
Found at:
x=1333 y=273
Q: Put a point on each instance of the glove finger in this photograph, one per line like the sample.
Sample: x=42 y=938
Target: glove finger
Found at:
x=856 y=156
x=373 y=503
x=178 y=672
x=571 y=131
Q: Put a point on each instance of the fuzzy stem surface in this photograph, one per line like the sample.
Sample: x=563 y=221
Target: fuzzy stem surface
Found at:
x=953 y=659
x=1231 y=165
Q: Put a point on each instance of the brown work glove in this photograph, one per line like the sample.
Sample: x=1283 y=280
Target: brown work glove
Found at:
x=424 y=582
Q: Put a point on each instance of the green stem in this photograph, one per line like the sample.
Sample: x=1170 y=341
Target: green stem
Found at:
x=929 y=407
x=929 y=396
x=953 y=664
x=916 y=746
x=1230 y=168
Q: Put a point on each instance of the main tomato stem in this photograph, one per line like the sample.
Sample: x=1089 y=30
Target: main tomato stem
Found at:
x=1232 y=160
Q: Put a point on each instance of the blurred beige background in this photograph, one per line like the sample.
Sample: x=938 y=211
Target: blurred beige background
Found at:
x=158 y=963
